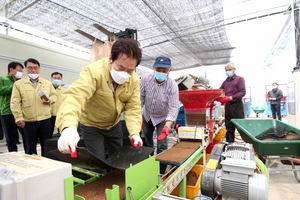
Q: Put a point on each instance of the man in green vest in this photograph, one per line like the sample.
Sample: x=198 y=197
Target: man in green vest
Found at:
x=10 y=128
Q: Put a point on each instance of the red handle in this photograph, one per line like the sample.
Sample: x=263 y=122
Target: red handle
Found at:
x=73 y=153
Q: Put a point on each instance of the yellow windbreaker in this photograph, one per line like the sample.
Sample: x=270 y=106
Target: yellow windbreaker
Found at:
x=55 y=106
x=92 y=100
x=25 y=103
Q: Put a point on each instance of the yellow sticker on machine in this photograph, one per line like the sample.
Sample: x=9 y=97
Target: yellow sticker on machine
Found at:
x=212 y=164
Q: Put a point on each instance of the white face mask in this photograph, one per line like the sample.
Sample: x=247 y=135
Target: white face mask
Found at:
x=18 y=75
x=119 y=76
x=33 y=76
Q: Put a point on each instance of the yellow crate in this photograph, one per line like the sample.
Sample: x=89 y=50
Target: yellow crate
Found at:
x=221 y=135
x=200 y=161
x=191 y=191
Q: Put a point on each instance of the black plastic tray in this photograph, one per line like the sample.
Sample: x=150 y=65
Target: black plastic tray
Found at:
x=121 y=159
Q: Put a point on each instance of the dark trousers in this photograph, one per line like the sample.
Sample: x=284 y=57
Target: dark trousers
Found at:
x=53 y=118
x=276 y=111
x=34 y=131
x=97 y=140
x=162 y=145
x=148 y=130
x=11 y=132
x=233 y=110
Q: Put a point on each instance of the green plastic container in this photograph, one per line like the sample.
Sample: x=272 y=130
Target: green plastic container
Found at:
x=250 y=128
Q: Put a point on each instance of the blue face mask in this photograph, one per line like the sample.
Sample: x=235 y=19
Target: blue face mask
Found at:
x=229 y=73
x=56 y=82
x=160 y=76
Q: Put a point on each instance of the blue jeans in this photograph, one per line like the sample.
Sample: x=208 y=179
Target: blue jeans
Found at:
x=11 y=132
x=37 y=130
x=148 y=130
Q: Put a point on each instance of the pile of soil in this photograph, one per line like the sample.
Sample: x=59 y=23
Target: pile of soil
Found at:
x=278 y=133
x=95 y=190
x=179 y=152
x=191 y=178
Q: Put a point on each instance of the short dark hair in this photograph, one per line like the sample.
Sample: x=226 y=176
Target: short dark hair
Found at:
x=275 y=83
x=31 y=60
x=55 y=73
x=14 y=65
x=127 y=46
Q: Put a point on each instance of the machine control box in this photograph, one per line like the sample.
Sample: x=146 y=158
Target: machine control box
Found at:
x=28 y=177
x=186 y=132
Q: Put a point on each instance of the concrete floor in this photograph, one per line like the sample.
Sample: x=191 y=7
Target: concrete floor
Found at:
x=282 y=184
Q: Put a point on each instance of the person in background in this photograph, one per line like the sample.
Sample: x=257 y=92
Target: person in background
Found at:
x=31 y=111
x=160 y=104
x=275 y=96
x=235 y=89
x=56 y=78
x=104 y=90
x=10 y=128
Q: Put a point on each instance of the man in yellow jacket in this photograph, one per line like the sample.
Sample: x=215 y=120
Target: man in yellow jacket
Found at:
x=31 y=111
x=104 y=90
x=56 y=78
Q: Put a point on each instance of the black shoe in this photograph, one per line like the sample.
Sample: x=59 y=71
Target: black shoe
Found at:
x=18 y=142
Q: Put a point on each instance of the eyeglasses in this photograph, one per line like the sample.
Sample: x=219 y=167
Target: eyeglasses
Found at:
x=33 y=68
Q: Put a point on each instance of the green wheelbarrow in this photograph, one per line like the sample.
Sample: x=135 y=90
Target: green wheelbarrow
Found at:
x=258 y=110
x=270 y=150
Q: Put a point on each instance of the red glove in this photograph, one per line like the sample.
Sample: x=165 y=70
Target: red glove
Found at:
x=223 y=99
x=164 y=133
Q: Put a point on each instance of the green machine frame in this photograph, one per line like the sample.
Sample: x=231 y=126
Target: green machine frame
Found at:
x=143 y=180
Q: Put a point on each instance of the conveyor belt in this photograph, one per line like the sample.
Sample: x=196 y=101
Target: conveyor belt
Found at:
x=179 y=152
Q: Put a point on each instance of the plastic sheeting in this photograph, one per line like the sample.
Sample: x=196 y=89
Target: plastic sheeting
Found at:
x=191 y=33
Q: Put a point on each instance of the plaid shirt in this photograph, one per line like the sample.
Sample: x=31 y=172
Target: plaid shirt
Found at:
x=160 y=101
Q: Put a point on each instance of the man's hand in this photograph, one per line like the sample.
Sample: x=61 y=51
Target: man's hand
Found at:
x=46 y=101
x=164 y=133
x=21 y=124
x=68 y=140
x=224 y=99
x=136 y=141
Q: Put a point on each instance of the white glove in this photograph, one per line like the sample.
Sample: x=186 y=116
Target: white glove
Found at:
x=136 y=141
x=68 y=140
